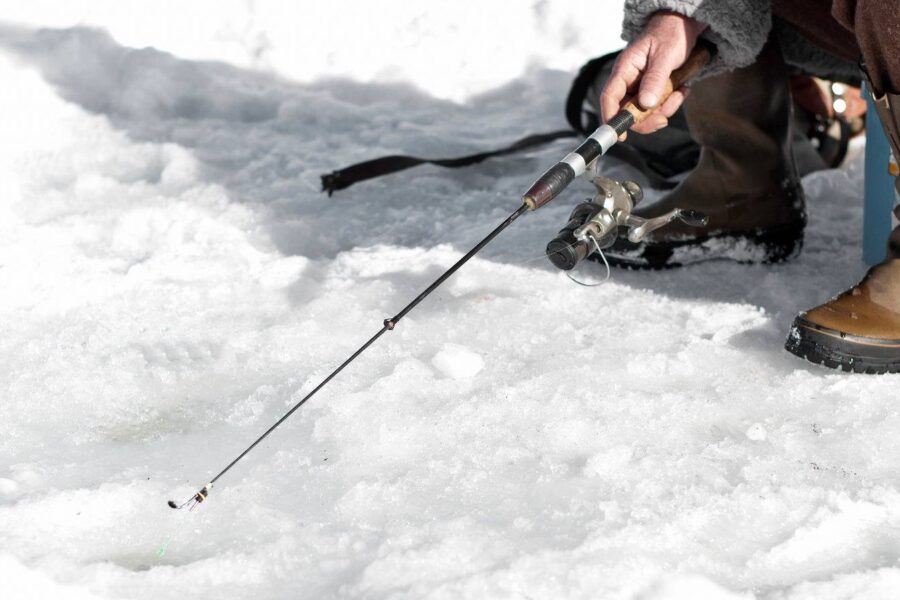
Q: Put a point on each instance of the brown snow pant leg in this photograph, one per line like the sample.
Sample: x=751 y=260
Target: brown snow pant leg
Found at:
x=852 y=29
x=876 y=24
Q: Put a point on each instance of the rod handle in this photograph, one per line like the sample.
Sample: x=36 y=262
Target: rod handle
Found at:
x=559 y=176
x=700 y=56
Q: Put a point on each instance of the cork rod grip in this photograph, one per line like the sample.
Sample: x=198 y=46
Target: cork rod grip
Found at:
x=699 y=57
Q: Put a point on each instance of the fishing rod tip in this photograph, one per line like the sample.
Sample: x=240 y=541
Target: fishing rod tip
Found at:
x=194 y=500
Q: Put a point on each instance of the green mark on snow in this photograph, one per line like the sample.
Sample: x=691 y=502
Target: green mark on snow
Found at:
x=162 y=549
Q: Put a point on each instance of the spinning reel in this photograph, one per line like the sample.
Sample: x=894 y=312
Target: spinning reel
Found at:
x=598 y=223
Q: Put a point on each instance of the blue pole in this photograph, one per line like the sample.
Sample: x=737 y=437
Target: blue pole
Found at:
x=879 y=189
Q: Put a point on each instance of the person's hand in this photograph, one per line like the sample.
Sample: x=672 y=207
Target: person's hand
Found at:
x=646 y=64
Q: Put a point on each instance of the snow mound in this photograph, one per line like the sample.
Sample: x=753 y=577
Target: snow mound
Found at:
x=457 y=362
x=690 y=587
x=22 y=583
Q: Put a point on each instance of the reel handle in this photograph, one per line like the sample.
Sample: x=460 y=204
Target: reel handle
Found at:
x=694 y=218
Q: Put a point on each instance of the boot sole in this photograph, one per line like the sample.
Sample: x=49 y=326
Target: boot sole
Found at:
x=838 y=350
x=762 y=246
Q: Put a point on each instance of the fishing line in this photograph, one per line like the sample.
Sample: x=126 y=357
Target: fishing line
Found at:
x=605 y=279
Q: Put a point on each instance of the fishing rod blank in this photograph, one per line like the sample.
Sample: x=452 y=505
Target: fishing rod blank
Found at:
x=546 y=188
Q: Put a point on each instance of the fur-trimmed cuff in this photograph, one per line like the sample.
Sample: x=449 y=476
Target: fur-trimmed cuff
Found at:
x=739 y=28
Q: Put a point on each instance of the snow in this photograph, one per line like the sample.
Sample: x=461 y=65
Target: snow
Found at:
x=173 y=281
x=457 y=362
x=757 y=432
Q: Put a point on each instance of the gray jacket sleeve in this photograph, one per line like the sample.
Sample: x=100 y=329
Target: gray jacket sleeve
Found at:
x=739 y=28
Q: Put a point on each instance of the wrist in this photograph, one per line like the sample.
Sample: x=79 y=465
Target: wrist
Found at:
x=691 y=28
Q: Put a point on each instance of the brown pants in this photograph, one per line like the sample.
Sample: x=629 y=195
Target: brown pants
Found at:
x=854 y=30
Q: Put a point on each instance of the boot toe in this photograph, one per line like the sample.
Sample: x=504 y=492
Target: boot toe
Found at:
x=839 y=350
x=849 y=334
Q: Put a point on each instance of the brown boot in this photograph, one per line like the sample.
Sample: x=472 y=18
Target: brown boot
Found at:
x=860 y=329
x=745 y=182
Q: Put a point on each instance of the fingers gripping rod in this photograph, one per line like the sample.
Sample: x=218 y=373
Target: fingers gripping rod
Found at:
x=547 y=187
x=559 y=176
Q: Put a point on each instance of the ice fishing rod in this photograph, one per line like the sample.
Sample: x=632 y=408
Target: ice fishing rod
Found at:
x=546 y=188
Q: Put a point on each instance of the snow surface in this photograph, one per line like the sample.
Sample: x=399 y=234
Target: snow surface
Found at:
x=173 y=280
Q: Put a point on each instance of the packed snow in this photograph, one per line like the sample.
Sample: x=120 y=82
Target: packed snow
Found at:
x=173 y=281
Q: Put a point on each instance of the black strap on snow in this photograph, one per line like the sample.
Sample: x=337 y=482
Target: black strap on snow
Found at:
x=344 y=178
x=582 y=121
x=385 y=165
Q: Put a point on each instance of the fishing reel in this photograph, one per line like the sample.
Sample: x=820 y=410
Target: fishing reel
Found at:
x=598 y=223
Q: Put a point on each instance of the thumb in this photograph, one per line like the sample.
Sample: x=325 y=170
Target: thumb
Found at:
x=653 y=83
